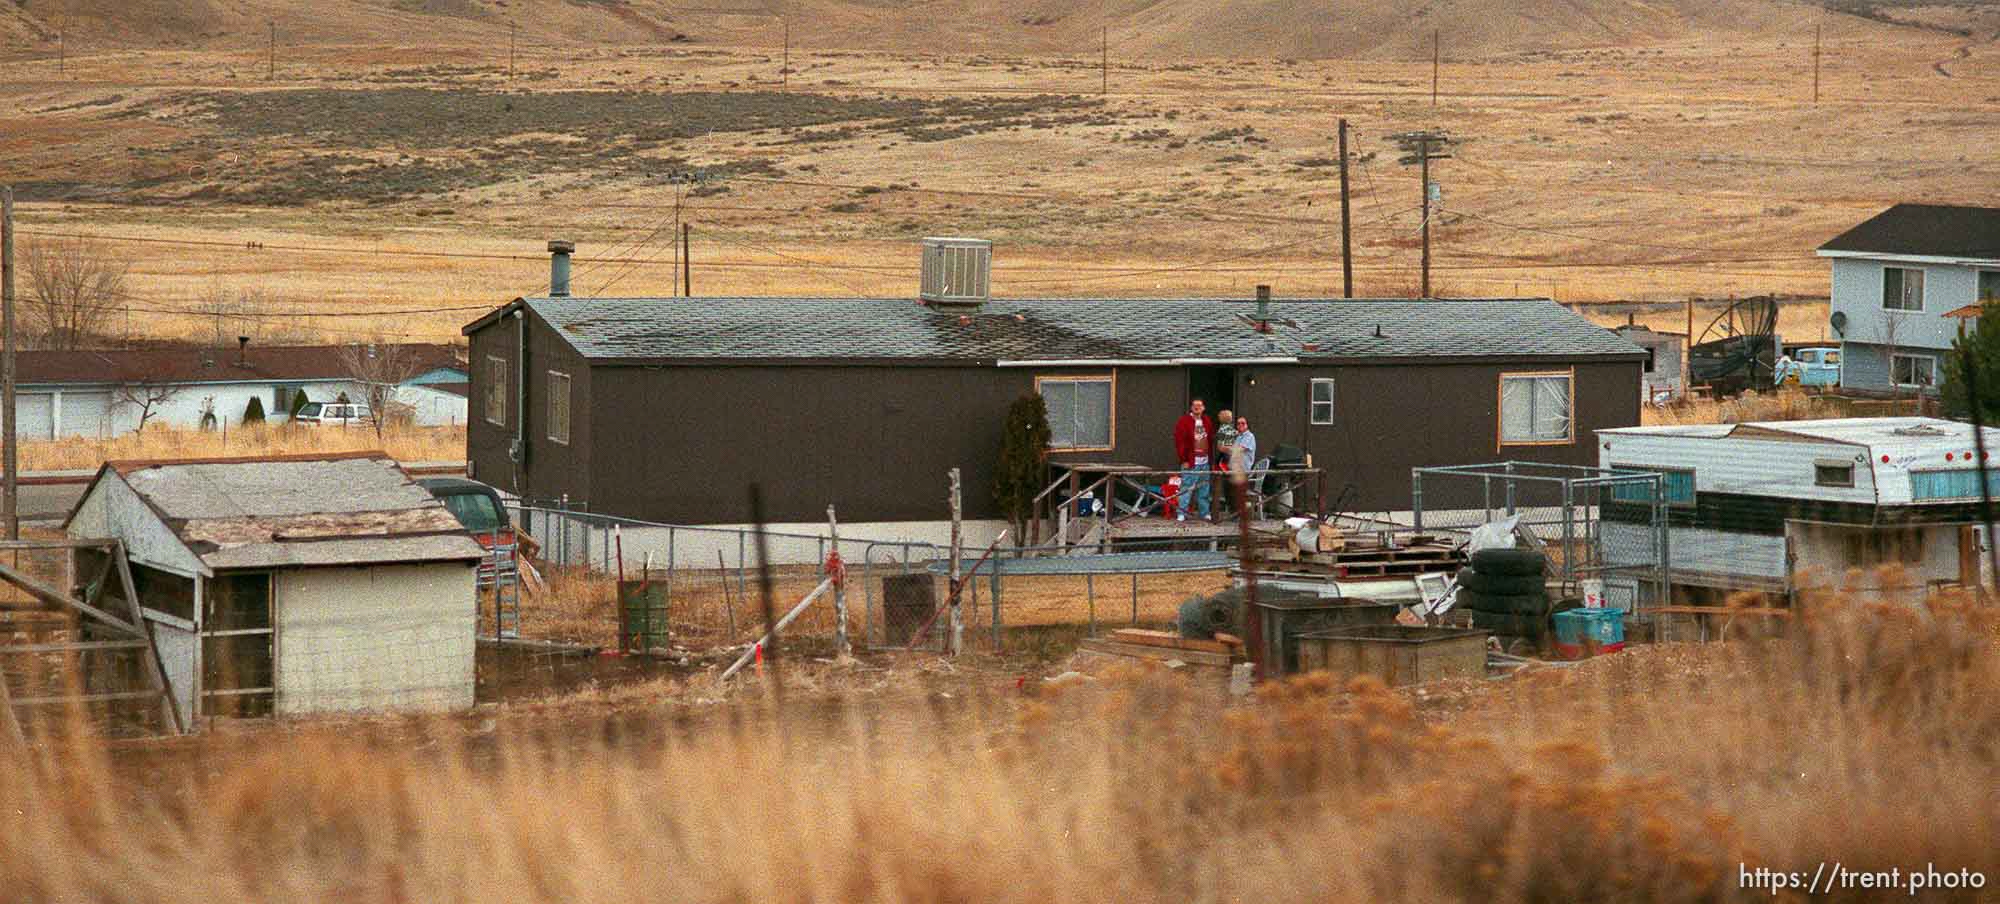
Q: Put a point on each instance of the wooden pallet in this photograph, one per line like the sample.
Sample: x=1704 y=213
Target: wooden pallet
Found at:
x=1162 y=654
x=1170 y=641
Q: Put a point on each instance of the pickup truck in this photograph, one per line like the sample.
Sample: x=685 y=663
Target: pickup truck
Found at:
x=1810 y=367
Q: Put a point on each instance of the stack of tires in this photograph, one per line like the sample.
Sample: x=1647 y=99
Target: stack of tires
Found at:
x=1506 y=591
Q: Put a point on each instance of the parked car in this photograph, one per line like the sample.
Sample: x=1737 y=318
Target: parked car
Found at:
x=1818 y=366
x=479 y=509
x=339 y=414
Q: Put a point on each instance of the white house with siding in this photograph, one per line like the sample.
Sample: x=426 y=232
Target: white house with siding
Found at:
x=104 y=393
x=294 y=584
x=1775 y=505
x=1896 y=278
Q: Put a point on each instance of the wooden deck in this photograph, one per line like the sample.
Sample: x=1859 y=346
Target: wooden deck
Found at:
x=1161 y=529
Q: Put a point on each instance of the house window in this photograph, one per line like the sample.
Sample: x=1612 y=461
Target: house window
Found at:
x=1322 y=401
x=1833 y=473
x=1080 y=411
x=1535 y=408
x=1913 y=370
x=283 y=397
x=1676 y=484
x=1902 y=289
x=1652 y=357
x=1989 y=286
x=1959 y=484
x=559 y=407
x=496 y=390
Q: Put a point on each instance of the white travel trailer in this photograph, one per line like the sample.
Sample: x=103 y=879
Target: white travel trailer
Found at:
x=1777 y=505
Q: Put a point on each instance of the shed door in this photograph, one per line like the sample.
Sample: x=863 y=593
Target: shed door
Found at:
x=86 y=413
x=237 y=678
x=37 y=415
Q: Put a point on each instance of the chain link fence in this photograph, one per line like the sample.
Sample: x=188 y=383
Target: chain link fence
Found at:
x=1605 y=526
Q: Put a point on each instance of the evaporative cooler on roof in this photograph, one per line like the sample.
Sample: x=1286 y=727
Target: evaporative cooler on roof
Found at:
x=956 y=272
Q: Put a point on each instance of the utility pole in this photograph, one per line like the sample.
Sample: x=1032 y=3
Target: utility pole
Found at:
x=62 y=50
x=687 y=265
x=1434 y=67
x=1816 y=30
x=512 y=27
x=271 y=74
x=1421 y=148
x=1104 y=60
x=785 y=68
x=10 y=460
x=1346 y=233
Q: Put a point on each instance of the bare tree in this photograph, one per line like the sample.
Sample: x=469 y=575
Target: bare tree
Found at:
x=146 y=396
x=378 y=370
x=74 y=286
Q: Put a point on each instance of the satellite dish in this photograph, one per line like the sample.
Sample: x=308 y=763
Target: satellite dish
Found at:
x=1839 y=323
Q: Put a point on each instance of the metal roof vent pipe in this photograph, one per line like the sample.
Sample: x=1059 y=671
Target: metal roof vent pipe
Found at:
x=242 y=345
x=957 y=274
x=1264 y=308
x=559 y=252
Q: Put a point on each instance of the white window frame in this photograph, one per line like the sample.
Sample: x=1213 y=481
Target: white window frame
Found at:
x=1982 y=274
x=1313 y=402
x=1111 y=415
x=1500 y=407
x=1922 y=281
x=1933 y=361
x=496 y=390
x=559 y=407
x=1846 y=463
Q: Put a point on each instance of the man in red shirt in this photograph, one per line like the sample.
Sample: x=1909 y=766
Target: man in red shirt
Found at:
x=1194 y=442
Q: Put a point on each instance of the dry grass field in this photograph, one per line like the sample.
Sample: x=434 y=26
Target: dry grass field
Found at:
x=1866 y=737
x=1624 y=159
x=409 y=444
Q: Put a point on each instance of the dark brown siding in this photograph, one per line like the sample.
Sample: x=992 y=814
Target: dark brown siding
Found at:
x=1393 y=417
x=876 y=442
x=552 y=469
x=683 y=443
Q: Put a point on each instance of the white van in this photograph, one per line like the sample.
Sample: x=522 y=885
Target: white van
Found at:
x=339 y=414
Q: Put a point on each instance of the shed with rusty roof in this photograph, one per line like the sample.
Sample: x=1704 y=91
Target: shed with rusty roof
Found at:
x=294 y=584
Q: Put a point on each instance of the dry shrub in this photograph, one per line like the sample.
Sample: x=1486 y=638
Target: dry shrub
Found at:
x=410 y=444
x=1865 y=734
x=1784 y=404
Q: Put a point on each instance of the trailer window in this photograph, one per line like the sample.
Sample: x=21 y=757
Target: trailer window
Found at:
x=1081 y=411
x=1322 y=401
x=1677 y=484
x=1833 y=473
x=1535 y=408
x=1960 y=483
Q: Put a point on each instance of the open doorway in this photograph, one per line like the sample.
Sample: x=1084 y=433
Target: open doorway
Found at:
x=1215 y=386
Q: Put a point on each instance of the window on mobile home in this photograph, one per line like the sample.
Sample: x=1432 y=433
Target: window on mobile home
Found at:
x=1080 y=411
x=1989 y=285
x=1535 y=408
x=1833 y=473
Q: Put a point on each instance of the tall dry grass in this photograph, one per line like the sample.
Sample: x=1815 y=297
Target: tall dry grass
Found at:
x=1778 y=405
x=401 y=442
x=1866 y=736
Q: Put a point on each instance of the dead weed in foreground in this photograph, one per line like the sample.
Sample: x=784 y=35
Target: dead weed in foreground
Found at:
x=1868 y=735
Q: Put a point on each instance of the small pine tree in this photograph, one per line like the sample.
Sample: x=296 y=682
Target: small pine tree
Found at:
x=1024 y=443
x=299 y=401
x=1982 y=347
x=253 y=413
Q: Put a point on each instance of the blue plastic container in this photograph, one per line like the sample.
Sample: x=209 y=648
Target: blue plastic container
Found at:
x=1603 y=627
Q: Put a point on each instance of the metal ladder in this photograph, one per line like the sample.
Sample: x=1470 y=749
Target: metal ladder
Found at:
x=501 y=571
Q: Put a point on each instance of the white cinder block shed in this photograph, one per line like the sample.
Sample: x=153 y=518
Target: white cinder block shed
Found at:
x=291 y=585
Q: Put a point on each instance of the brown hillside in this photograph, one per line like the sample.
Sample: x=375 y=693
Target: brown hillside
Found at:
x=1159 y=28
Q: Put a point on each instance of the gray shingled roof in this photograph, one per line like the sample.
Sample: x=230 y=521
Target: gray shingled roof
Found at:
x=1060 y=329
x=1925 y=229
